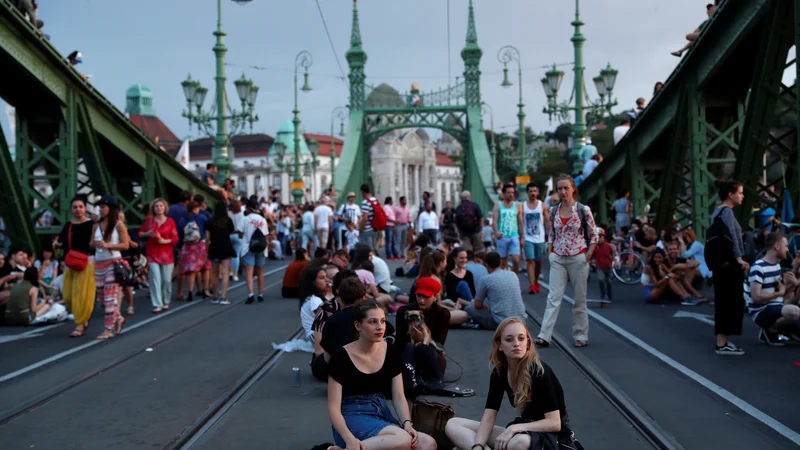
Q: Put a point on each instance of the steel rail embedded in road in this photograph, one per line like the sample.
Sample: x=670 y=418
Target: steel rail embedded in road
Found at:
x=48 y=396
x=646 y=426
x=218 y=409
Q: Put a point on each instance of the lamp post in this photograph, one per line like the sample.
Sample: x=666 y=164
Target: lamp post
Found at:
x=493 y=147
x=304 y=60
x=604 y=84
x=313 y=147
x=506 y=55
x=195 y=96
x=340 y=112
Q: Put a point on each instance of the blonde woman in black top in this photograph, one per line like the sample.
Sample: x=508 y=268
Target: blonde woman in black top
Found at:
x=362 y=374
x=532 y=388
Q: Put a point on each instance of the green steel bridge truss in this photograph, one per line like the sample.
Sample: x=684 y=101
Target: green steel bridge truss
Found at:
x=69 y=140
x=456 y=111
x=723 y=113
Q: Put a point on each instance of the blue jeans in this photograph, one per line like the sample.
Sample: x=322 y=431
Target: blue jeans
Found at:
x=391 y=242
x=365 y=416
x=160 y=284
x=254 y=259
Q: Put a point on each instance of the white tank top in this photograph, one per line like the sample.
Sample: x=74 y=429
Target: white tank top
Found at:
x=104 y=254
x=534 y=223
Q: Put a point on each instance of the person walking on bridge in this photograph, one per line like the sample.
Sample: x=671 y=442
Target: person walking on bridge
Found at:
x=79 y=288
x=572 y=240
x=508 y=222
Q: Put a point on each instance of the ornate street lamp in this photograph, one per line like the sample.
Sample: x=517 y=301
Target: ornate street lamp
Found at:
x=604 y=83
x=304 y=60
x=195 y=95
x=340 y=112
x=313 y=147
x=506 y=55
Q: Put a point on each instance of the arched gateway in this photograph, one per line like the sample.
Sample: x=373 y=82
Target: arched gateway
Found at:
x=456 y=111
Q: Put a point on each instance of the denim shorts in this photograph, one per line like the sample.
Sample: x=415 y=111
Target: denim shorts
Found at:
x=534 y=251
x=365 y=416
x=508 y=246
x=254 y=259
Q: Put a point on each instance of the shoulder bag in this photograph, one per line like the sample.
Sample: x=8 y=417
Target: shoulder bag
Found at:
x=74 y=260
x=430 y=418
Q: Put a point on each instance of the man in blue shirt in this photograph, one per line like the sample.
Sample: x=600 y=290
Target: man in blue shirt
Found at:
x=177 y=212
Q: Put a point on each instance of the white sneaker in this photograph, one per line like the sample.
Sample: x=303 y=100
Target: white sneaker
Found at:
x=236 y=278
x=224 y=302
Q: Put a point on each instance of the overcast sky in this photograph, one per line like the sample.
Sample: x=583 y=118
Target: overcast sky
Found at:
x=158 y=42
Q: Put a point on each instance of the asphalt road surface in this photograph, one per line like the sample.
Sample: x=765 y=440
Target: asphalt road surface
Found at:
x=148 y=387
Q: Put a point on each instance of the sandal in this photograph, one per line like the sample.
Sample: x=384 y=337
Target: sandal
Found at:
x=118 y=325
x=105 y=335
x=580 y=344
x=79 y=331
x=130 y=310
x=541 y=343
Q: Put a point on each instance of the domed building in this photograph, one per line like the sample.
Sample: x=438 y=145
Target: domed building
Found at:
x=406 y=162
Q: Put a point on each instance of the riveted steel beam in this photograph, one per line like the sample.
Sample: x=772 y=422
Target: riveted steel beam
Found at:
x=672 y=176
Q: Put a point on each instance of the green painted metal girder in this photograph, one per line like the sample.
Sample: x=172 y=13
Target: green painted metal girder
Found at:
x=42 y=62
x=95 y=164
x=15 y=213
x=672 y=177
x=764 y=93
x=379 y=121
x=729 y=25
x=353 y=168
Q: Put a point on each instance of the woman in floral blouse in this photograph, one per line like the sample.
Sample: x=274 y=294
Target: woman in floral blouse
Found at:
x=572 y=243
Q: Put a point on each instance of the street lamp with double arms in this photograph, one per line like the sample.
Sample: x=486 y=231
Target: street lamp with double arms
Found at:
x=195 y=96
x=604 y=83
x=506 y=55
x=340 y=112
x=304 y=60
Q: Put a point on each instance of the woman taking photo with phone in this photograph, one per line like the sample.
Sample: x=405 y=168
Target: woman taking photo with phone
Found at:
x=362 y=375
x=532 y=388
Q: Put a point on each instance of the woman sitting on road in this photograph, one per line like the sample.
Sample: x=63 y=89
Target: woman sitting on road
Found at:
x=532 y=388
x=24 y=302
x=313 y=287
x=362 y=375
x=659 y=283
x=459 y=283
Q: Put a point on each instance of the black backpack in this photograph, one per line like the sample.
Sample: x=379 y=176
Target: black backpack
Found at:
x=467 y=218
x=258 y=242
x=719 y=244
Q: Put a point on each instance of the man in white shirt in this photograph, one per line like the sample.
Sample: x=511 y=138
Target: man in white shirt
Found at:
x=428 y=223
x=349 y=212
x=621 y=130
x=323 y=220
x=253 y=259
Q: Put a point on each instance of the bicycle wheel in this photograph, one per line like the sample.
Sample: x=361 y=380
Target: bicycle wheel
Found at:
x=628 y=267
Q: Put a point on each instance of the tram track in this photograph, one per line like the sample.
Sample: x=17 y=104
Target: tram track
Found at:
x=630 y=410
x=50 y=395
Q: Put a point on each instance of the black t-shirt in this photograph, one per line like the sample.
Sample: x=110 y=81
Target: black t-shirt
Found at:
x=355 y=382
x=546 y=394
x=340 y=331
x=451 y=283
x=81 y=237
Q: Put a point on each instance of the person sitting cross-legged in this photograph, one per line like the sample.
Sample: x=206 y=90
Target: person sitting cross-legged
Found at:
x=772 y=298
x=498 y=298
x=421 y=348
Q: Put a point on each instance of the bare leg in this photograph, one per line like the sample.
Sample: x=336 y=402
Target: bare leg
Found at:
x=260 y=275
x=790 y=315
x=248 y=278
x=224 y=269
x=457 y=317
x=191 y=277
x=180 y=284
x=537 y=270
x=214 y=279
x=462 y=432
x=677 y=288
x=530 y=265
x=515 y=263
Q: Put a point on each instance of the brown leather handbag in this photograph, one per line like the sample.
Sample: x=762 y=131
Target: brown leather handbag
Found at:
x=430 y=418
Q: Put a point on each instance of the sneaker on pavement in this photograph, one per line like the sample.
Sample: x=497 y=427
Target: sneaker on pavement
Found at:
x=729 y=349
x=236 y=278
x=224 y=302
x=769 y=338
x=214 y=300
x=691 y=301
x=260 y=298
x=532 y=289
x=250 y=299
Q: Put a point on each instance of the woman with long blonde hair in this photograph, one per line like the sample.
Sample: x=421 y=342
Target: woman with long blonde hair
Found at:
x=161 y=233
x=532 y=388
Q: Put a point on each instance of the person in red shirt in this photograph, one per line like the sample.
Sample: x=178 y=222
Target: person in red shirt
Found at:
x=161 y=234
x=291 y=277
x=604 y=261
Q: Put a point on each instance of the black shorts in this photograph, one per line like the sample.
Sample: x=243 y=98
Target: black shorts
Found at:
x=767 y=317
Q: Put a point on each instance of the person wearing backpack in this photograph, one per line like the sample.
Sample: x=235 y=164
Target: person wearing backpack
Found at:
x=572 y=241
x=253 y=230
x=723 y=252
x=373 y=218
x=193 y=252
x=468 y=222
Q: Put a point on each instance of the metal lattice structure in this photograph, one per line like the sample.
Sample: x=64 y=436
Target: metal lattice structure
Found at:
x=723 y=113
x=69 y=140
x=455 y=110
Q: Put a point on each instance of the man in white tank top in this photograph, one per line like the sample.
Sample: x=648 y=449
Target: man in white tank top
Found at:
x=536 y=219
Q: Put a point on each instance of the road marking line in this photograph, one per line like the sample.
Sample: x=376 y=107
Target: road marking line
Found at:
x=58 y=356
x=751 y=410
x=28 y=334
x=705 y=318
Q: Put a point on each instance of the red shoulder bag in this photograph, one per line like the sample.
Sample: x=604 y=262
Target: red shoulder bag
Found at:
x=75 y=260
